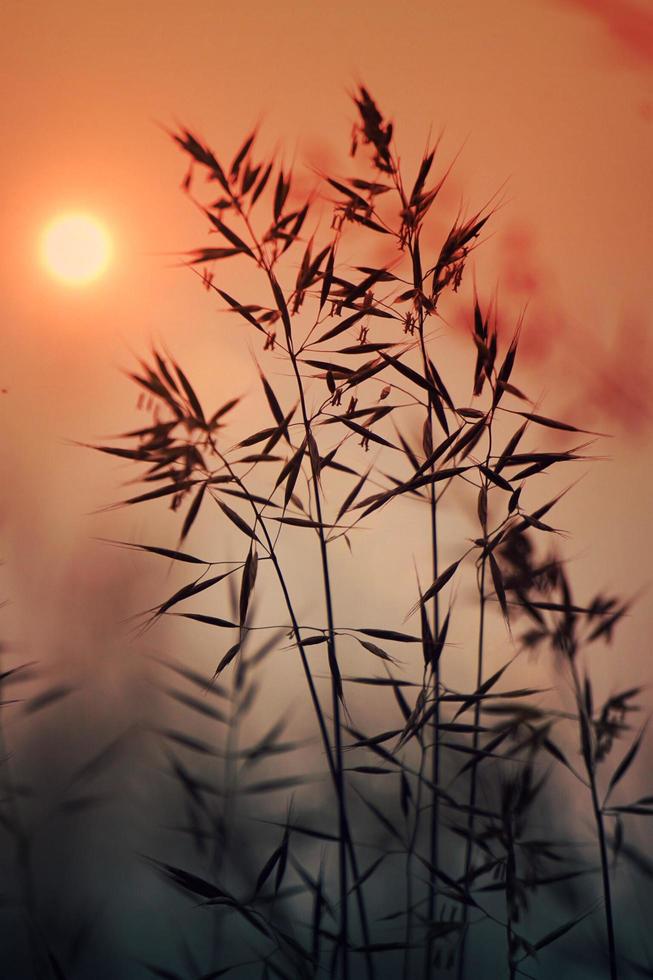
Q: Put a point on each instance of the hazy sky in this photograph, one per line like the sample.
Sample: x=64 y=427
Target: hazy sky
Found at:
x=548 y=102
x=548 y=105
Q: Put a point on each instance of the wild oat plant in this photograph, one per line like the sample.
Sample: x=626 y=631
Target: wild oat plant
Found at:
x=416 y=831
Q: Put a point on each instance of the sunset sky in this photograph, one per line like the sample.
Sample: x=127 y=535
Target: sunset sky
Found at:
x=549 y=104
x=546 y=106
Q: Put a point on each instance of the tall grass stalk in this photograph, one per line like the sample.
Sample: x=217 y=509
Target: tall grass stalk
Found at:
x=434 y=823
x=480 y=658
x=362 y=359
x=336 y=692
x=587 y=749
x=345 y=842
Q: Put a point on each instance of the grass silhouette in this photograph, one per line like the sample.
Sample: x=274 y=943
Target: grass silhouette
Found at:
x=382 y=852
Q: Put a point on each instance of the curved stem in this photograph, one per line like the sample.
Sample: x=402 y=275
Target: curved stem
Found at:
x=333 y=770
x=345 y=844
x=335 y=682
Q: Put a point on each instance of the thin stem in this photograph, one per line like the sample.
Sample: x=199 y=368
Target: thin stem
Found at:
x=335 y=687
x=435 y=719
x=469 y=847
x=328 y=596
x=413 y=244
x=511 y=874
x=598 y=820
x=473 y=780
x=409 y=860
x=418 y=283
x=338 y=785
x=605 y=876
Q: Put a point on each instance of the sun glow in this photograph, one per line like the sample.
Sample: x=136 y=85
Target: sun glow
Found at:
x=76 y=249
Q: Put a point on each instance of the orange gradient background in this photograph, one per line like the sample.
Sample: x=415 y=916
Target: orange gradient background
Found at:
x=549 y=102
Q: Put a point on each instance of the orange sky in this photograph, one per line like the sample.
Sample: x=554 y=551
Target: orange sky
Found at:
x=553 y=96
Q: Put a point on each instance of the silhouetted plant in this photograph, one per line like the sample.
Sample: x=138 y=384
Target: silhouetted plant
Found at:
x=358 y=343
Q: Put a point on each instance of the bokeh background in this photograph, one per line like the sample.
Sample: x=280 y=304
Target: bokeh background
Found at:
x=548 y=107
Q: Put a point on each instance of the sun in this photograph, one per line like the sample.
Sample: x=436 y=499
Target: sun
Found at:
x=76 y=249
